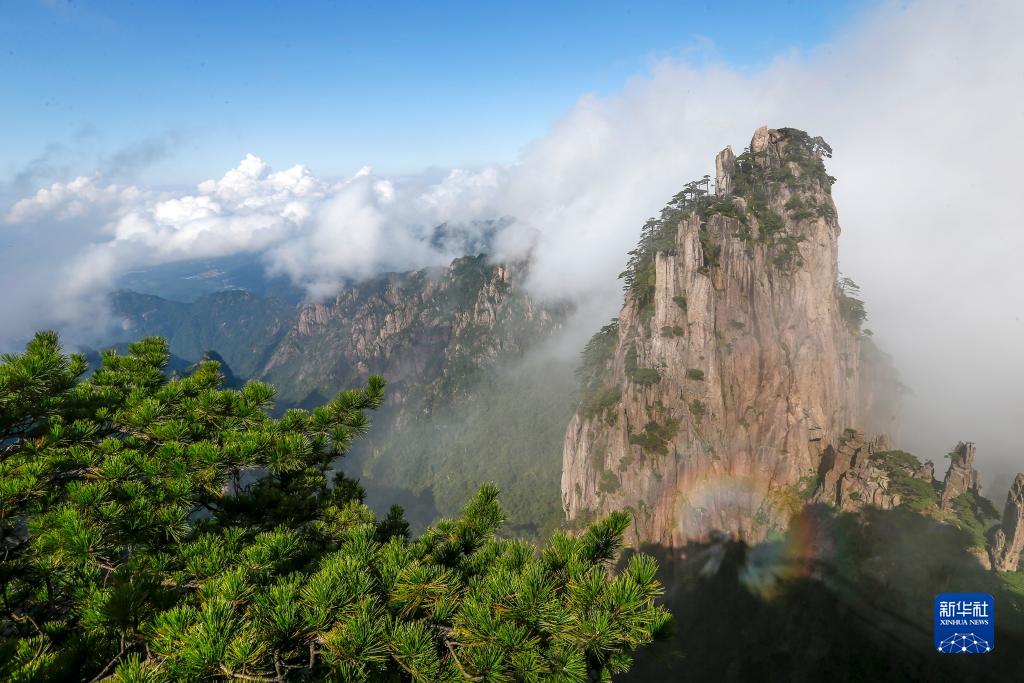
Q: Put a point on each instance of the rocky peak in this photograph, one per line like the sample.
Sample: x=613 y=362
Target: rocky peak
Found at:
x=734 y=362
x=725 y=166
x=1008 y=538
x=850 y=478
x=961 y=476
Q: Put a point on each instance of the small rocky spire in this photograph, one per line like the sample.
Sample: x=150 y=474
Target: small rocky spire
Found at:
x=961 y=476
x=725 y=164
x=763 y=136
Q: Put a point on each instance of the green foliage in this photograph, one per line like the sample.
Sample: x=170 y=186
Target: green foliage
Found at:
x=785 y=252
x=758 y=178
x=799 y=209
x=609 y=482
x=655 y=437
x=600 y=402
x=680 y=301
x=659 y=235
x=695 y=374
x=641 y=376
x=595 y=362
x=807 y=153
x=646 y=313
x=915 y=494
x=646 y=376
x=769 y=222
x=975 y=516
x=697 y=409
x=783 y=248
x=724 y=206
x=851 y=308
x=710 y=247
x=806 y=486
x=467 y=275
x=163 y=529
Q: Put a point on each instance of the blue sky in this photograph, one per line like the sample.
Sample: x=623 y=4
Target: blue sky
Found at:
x=168 y=92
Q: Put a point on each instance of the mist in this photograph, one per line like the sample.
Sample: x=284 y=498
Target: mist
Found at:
x=923 y=104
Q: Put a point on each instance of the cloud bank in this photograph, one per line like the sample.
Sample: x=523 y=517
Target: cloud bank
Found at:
x=923 y=103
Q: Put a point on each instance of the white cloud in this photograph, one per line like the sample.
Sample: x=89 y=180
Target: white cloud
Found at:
x=81 y=196
x=922 y=102
x=317 y=232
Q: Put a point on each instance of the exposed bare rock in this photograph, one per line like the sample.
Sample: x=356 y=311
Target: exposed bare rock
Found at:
x=732 y=367
x=961 y=476
x=420 y=330
x=926 y=472
x=1008 y=539
x=850 y=478
x=725 y=166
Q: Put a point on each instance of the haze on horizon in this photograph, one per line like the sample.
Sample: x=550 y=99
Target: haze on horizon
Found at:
x=923 y=103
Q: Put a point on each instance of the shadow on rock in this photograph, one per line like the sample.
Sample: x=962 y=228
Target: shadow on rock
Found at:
x=839 y=597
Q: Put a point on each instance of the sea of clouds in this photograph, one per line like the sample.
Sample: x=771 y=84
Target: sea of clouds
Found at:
x=923 y=103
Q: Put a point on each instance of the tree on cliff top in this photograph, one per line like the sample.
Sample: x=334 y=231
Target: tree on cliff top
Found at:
x=168 y=529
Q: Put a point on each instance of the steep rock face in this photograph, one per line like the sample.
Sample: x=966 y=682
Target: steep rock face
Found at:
x=735 y=362
x=1008 y=540
x=427 y=331
x=961 y=476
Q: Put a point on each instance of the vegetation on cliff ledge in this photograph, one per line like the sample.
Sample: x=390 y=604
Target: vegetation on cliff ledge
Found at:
x=758 y=177
x=162 y=529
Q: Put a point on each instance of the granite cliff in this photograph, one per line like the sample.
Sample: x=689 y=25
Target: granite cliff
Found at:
x=737 y=359
x=426 y=331
x=1007 y=541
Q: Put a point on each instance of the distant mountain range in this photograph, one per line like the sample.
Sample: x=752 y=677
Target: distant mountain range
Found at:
x=187 y=281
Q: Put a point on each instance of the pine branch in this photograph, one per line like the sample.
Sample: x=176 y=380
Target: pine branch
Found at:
x=111 y=663
x=455 y=658
x=248 y=677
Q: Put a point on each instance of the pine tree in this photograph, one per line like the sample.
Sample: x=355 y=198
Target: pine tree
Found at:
x=166 y=529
